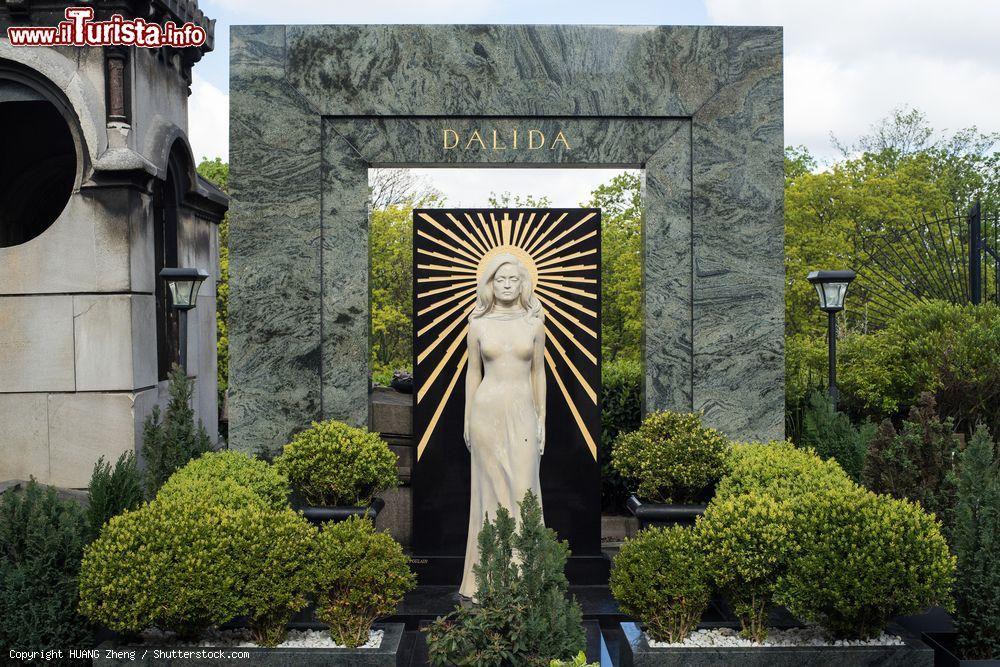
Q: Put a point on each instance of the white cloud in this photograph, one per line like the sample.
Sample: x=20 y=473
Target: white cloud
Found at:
x=344 y=11
x=565 y=188
x=847 y=64
x=208 y=120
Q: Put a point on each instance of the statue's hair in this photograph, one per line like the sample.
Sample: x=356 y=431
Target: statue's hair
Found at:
x=484 y=288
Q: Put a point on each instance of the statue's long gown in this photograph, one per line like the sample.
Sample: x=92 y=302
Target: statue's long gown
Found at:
x=502 y=429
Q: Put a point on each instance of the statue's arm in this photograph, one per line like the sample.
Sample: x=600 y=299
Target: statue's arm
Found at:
x=538 y=382
x=473 y=376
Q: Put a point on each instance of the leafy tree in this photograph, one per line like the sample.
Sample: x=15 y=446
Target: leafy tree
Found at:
x=217 y=172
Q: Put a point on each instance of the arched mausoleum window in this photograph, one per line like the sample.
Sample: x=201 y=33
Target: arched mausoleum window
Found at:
x=38 y=163
x=167 y=197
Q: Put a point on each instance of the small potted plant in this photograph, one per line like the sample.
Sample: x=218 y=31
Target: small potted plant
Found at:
x=337 y=470
x=673 y=462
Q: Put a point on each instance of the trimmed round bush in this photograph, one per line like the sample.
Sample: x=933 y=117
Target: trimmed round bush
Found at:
x=778 y=468
x=333 y=464
x=660 y=577
x=270 y=484
x=671 y=458
x=199 y=554
x=360 y=575
x=863 y=559
x=747 y=541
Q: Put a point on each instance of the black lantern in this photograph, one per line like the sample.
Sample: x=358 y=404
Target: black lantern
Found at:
x=831 y=287
x=183 y=285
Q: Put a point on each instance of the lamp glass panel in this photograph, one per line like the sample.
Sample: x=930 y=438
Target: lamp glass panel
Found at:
x=834 y=295
x=182 y=292
x=822 y=295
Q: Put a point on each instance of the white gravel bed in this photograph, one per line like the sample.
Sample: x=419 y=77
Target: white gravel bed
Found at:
x=808 y=636
x=240 y=638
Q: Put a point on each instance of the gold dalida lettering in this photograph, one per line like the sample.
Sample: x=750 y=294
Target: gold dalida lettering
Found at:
x=531 y=142
x=515 y=138
x=495 y=146
x=559 y=138
x=476 y=137
x=454 y=136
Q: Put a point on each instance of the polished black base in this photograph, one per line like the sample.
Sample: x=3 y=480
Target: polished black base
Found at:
x=320 y=515
x=946 y=653
x=662 y=515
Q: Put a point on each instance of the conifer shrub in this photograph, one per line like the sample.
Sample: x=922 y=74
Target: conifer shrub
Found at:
x=778 y=468
x=41 y=543
x=746 y=540
x=199 y=554
x=523 y=617
x=862 y=559
x=264 y=480
x=360 y=574
x=977 y=546
x=660 y=577
x=832 y=434
x=917 y=462
x=112 y=491
x=671 y=458
x=333 y=464
x=170 y=442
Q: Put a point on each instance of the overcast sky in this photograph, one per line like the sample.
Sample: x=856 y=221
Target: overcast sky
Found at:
x=847 y=64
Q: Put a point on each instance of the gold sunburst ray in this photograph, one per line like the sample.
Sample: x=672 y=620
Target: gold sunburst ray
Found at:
x=548 y=230
x=591 y=445
x=458 y=340
x=555 y=239
x=572 y=367
x=448 y=258
x=564 y=269
x=443 y=316
x=425 y=438
x=479 y=232
x=568 y=302
x=529 y=236
x=473 y=254
x=554 y=308
x=550 y=317
x=469 y=235
x=441 y=290
x=440 y=337
x=444 y=244
x=494 y=241
x=446 y=267
x=570 y=279
x=569 y=290
x=568 y=244
x=438 y=279
x=496 y=229
x=518 y=229
x=575 y=255
x=446 y=300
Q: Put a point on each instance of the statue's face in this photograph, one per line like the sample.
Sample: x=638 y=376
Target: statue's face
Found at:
x=506 y=284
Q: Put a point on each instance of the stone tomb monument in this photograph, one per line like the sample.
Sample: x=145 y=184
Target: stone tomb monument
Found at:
x=699 y=109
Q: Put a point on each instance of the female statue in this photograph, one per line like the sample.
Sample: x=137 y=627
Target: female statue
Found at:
x=504 y=397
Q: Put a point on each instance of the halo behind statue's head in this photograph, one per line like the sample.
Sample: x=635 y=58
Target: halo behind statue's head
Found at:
x=490 y=264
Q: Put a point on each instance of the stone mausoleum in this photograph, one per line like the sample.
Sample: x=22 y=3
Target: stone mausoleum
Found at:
x=98 y=192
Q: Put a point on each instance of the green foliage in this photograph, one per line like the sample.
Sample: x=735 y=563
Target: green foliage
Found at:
x=523 y=617
x=621 y=411
x=938 y=347
x=360 y=575
x=579 y=661
x=111 y=492
x=201 y=553
x=917 y=463
x=41 y=542
x=391 y=279
x=217 y=172
x=861 y=560
x=331 y=463
x=671 y=457
x=976 y=540
x=779 y=469
x=660 y=577
x=267 y=482
x=747 y=545
x=169 y=443
x=621 y=266
x=832 y=435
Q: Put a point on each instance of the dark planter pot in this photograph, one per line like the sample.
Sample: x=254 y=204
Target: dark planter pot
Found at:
x=320 y=515
x=661 y=515
x=386 y=655
x=636 y=652
x=946 y=651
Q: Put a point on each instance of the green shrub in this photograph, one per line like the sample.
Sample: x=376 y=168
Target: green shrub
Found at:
x=199 y=554
x=746 y=542
x=833 y=436
x=977 y=545
x=332 y=463
x=621 y=412
x=41 y=543
x=777 y=468
x=938 y=347
x=169 y=443
x=862 y=559
x=523 y=617
x=660 y=578
x=111 y=492
x=360 y=575
x=917 y=463
x=263 y=479
x=579 y=661
x=671 y=457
